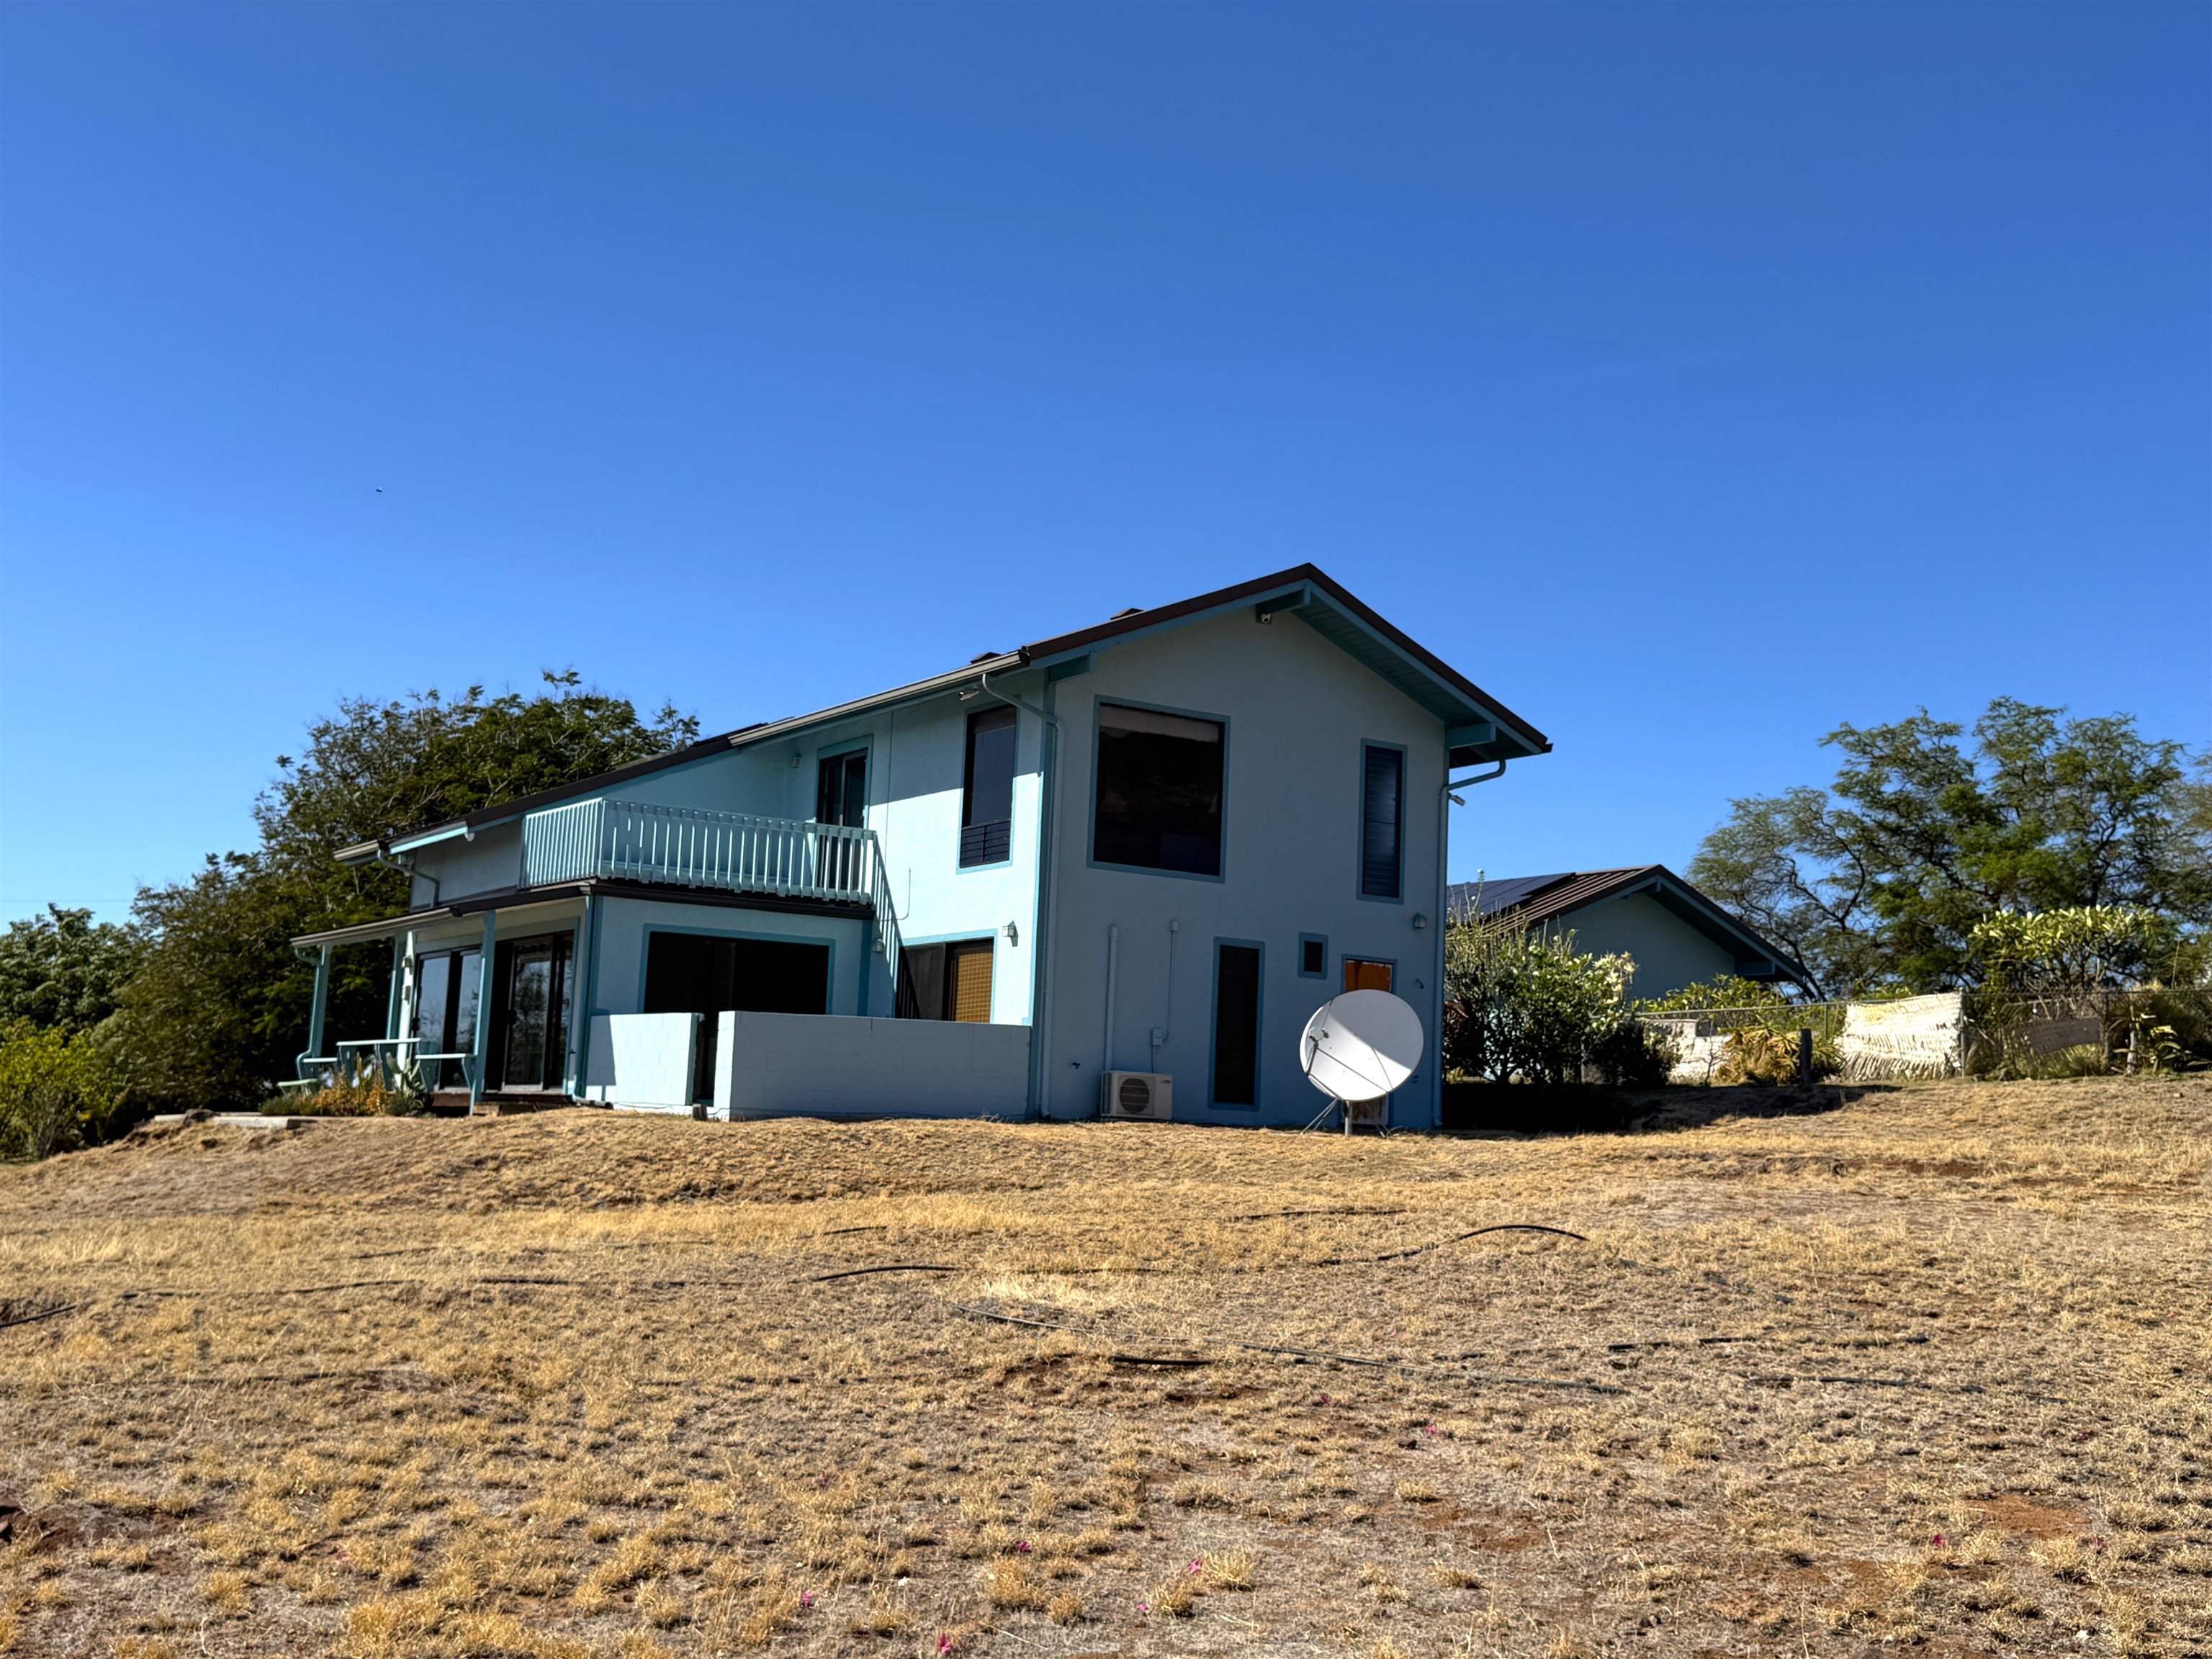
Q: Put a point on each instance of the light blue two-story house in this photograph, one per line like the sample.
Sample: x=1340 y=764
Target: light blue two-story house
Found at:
x=1117 y=868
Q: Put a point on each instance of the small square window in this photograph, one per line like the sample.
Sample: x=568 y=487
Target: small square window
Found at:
x=1313 y=956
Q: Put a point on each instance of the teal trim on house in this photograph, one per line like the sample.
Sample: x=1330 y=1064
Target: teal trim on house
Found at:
x=480 y=1055
x=828 y=946
x=1098 y=705
x=1321 y=940
x=1359 y=832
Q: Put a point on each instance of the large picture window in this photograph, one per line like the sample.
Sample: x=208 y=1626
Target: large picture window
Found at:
x=1159 y=791
x=1382 y=818
x=986 y=801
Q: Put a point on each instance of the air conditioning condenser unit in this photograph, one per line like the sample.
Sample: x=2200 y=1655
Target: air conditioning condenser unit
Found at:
x=1136 y=1095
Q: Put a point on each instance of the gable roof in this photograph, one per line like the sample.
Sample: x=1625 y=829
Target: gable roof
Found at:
x=1541 y=901
x=1477 y=727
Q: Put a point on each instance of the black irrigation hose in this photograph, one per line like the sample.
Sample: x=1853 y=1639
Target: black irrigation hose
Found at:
x=1272 y=1348
x=1437 y=1244
x=33 y=1318
x=889 y=1267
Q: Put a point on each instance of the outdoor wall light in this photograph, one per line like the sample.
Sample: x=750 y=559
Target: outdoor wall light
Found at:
x=1419 y=921
x=1013 y=934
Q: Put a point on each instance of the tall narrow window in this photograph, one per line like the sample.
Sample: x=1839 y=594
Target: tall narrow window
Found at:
x=987 y=801
x=1382 y=814
x=1159 y=791
x=1236 y=1026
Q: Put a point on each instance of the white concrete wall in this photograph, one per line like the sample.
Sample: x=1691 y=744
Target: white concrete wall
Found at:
x=642 y=1060
x=798 y=1064
x=1298 y=710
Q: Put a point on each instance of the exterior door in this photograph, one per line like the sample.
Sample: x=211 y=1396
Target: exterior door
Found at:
x=532 y=1047
x=841 y=796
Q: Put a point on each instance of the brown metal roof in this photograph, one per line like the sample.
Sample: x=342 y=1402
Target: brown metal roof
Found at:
x=1528 y=738
x=1562 y=896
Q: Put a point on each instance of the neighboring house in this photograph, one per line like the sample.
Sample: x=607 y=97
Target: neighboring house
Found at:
x=1676 y=934
x=1154 y=845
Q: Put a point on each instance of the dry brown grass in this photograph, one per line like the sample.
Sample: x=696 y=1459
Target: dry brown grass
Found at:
x=569 y=1385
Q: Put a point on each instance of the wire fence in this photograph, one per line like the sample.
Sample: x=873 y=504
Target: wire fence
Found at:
x=2050 y=1033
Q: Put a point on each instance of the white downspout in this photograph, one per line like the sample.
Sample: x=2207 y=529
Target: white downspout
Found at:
x=1160 y=1033
x=1113 y=956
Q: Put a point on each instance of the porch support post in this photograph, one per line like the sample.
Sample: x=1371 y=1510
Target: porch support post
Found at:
x=394 y=1003
x=580 y=999
x=478 y=1060
x=321 y=1003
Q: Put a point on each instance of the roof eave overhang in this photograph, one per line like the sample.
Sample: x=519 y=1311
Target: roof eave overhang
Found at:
x=1479 y=729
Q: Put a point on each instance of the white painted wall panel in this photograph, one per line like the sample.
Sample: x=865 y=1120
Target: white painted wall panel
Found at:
x=784 y=1064
x=642 y=1060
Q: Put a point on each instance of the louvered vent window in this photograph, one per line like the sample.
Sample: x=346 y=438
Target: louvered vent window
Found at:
x=1382 y=818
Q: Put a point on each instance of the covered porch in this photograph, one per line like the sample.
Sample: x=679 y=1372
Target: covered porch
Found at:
x=616 y=907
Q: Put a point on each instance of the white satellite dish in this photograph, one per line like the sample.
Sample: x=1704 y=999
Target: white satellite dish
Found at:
x=1361 y=1046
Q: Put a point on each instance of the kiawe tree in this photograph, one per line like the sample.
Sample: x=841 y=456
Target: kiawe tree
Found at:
x=1882 y=877
x=220 y=1005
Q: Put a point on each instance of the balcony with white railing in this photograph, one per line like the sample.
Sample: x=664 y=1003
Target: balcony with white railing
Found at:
x=612 y=839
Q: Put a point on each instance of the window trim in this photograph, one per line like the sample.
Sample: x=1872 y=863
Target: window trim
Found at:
x=1098 y=705
x=828 y=941
x=1359 y=826
x=1391 y=963
x=969 y=937
x=1259 y=1028
x=1321 y=940
x=968 y=783
x=866 y=745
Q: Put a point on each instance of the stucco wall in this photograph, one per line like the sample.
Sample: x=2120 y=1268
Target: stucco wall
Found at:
x=778 y=1064
x=1669 y=952
x=642 y=1060
x=462 y=867
x=1297 y=711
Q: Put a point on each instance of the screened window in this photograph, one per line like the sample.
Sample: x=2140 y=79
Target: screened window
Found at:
x=946 y=981
x=1236 y=1026
x=1159 y=791
x=1382 y=814
x=987 y=801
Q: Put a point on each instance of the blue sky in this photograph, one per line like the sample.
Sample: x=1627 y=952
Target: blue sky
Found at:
x=1695 y=379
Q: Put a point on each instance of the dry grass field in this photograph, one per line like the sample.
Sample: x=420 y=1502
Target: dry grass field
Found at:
x=1927 y=1370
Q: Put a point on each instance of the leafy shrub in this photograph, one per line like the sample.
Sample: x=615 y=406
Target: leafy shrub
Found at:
x=1634 y=1055
x=365 y=1091
x=58 y=1090
x=1761 y=1054
x=1527 y=1006
x=1723 y=991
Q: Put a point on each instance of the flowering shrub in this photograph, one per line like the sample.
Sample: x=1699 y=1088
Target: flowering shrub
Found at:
x=1528 y=1006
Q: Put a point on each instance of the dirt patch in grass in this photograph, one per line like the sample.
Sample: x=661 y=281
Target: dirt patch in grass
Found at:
x=1923 y=1368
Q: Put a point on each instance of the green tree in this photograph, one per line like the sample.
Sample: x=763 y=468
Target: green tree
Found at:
x=58 y=1089
x=220 y=1007
x=63 y=969
x=1881 y=879
x=2073 y=949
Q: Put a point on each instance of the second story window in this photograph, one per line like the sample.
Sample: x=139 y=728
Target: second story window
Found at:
x=1382 y=852
x=1159 y=791
x=986 y=801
